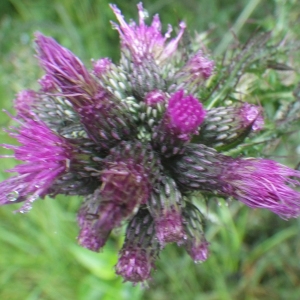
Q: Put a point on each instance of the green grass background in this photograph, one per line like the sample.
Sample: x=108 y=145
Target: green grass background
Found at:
x=254 y=254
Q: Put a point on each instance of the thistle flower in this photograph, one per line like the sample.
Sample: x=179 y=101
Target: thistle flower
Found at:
x=185 y=113
x=194 y=73
x=134 y=139
x=146 y=42
x=252 y=114
x=262 y=183
x=225 y=127
x=101 y=66
x=94 y=105
x=126 y=183
x=47 y=83
x=67 y=71
x=195 y=242
x=165 y=208
x=43 y=165
x=183 y=116
x=259 y=183
x=92 y=235
x=155 y=97
x=140 y=249
x=24 y=101
x=199 y=67
x=120 y=194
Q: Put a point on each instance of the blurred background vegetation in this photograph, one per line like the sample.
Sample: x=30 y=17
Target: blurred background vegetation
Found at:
x=254 y=254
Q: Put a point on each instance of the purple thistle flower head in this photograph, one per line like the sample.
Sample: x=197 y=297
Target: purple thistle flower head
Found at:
x=252 y=114
x=23 y=102
x=139 y=159
x=140 y=249
x=144 y=41
x=198 y=68
x=92 y=235
x=169 y=227
x=224 y=127
x=43 y=164
x=164 y=206
x=47 y=84
x=134 y=265
x=94 y=104
x=198 y=250
x=96 y=117
x=194 y=242
x=155 y=97
x=185 y=113
x=120 y=194
x=126 y=185
x=181 y=120
x=67 y=71
x=101 y=66
x=262 y=183
x=258 y=183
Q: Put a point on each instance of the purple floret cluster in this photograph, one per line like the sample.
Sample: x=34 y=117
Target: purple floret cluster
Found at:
x=135 y=140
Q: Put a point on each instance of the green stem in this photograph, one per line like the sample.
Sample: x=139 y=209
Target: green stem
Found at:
x=239 y=23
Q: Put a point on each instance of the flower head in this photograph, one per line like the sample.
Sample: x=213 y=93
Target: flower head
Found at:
x=251 y=114
x=47 y=83
x=67 y=71
x=262 y=183
x=93 y=234
x=185 y=113
x=101 y=66
x=181 y=120
x=24 y=100
x=199 y=66
x=164 y=206
x=258 y=183
x=140 y=250
x=195 y=242
x=134 y=140
x=94 y=105
x=155 y=97
x=194 y=73
x=144 y=42
x=43 y=165
x=225 y=127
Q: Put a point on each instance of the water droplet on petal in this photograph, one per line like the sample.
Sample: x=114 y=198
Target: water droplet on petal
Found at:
x=12 y=196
